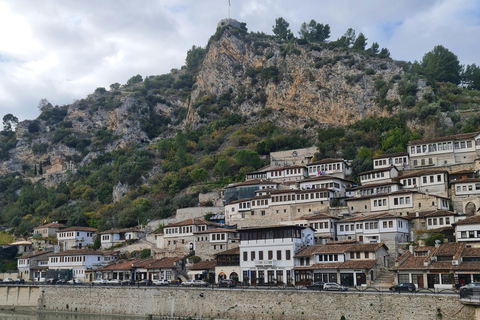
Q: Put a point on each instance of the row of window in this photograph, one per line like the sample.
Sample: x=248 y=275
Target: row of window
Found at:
x=369 y=191
x=357 y=255
x=468 y=187
x=325 y=167
x=330 y=185
x=320 y=225
x=433 y=147
x=303 y=196
x=433 y=221
x=68 y=259
x=469 y=234
x=258 y=255
x=372 y=175
x=401 y=200
x=187 y=229
x=279 y=173
x=351 y=227
x=383 y=162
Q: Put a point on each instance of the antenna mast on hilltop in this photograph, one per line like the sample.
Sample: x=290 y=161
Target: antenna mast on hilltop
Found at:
x=229 y=5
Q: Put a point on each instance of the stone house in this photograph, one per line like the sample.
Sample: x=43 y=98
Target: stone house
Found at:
x=381 y=175
x=322 y=224
x=338 y=168
x=443 y=266
x=112 y=237
x=347 y=263
x=31 y=267
x=228 y=264
x=440 y=221
x=466 y=195
x=75 y=237
x=203 y=270
x=210 y=242
x=48 y=230
x=179 y=237
x=426 y=181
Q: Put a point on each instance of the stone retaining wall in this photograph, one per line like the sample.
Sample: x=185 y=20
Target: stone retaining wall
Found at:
x=237 y=303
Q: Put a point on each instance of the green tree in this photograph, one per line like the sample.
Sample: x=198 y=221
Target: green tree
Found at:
x=248 y=158
x=221 y=167
x=281 y=30
x=194 y=58
x=374 y=49
x=6 y=238
x=314 y=32
x=199 y=175
x=442 y=65
x=9 y=122
x=115 y=86
x=471 y=76
x=349 y=37
x=384 y=53
x=360 y=42
x=135 y=79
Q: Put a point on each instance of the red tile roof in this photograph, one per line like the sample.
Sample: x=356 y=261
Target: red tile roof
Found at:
x=216 y=230
x=87 y=229
x=86 y=252
x=204 y=265
x=469 y=220
x=391 y=155
x=52 y=225
x=448 y=138
x=168 y=262
x=194 y=221
x=358 y=264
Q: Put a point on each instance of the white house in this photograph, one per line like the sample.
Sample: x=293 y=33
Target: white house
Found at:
x=112 y=237
x=338 y=185
x=291 y=173
x=399 y=160
x=466 y=195
x=76 y=260
x=444 y=151
x=468 y=231
x=333 y=167
x=426 y=181
x=266 y=253
x=75 y=237
x=381 y=175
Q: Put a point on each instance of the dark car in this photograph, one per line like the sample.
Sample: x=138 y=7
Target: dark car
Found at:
x=128 y=282
x=145 y=282
x=19 y=281
x=316 y=285
x=410 y=287
x=227 y=283
x=61 y=281
x=469 y=290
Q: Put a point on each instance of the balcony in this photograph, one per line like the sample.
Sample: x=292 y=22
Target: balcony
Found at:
x=265 y=263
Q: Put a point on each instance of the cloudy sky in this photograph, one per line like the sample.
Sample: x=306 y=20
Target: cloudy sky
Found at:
x=62 y=50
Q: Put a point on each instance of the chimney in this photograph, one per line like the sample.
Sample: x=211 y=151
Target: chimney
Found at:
x=416 y=214
x=437 y=243
x=410 y=248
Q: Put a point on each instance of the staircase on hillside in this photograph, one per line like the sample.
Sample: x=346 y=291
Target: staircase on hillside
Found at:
x=384 y=280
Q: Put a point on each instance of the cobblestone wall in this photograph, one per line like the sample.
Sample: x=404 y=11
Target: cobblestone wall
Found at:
x=246 y=304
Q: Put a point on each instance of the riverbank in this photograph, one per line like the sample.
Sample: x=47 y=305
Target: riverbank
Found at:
x=234 y=304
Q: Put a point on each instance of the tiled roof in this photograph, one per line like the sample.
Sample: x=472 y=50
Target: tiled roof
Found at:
x=471 y=252
x=143 y=263
x=404 y=174
x=399 y=192
x=52 y=225
x=469 y=220
x=87 y=229
x=378 y=170
x=297 y=191
x=111 y=231
x=194 y=221
x=352 y=247
x=233 y=251
x=325 y=161
x=318 y=216
x=373 y=185
x=308 y=251
x=358 y=264
x=326 y=177
x=449 y=138
x=119 y=265
x=216 y=230
x=466 y=180
x=164 y=263
x=436 y=213
x=34 y=254
x=391 y=155
x=378 y=216
x=285 y=168
x=86 y=252
x=250 y=182
x=204 y=265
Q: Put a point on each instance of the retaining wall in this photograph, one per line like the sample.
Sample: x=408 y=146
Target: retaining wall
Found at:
x=236 y=303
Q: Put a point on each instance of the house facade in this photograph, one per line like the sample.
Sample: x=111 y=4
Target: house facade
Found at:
x=266 y=253
x=210 y=242
x=75 y=237
x=79 y=261
x=180 y=238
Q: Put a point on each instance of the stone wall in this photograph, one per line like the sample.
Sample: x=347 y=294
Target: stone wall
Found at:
x=197 y=212
x=236 y=304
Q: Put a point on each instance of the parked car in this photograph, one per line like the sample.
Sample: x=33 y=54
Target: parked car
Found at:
x=403 y=287
x=51 y=280
x=227 y=283
x=194 y=283
x=316 y=285
x=331 y=286
x=128 y=282
x=61 y=281
x=161 y=282
x=19 y=281
x=8 y=280
x=469 y=290
x=145 y=282
x=114 y=282
x=74 y=281
x=99 y=281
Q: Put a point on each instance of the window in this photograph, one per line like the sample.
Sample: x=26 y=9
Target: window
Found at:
x=279 y=254
x=366 y=255
x=252 y=255
x=270 y=254
x=287 y=255
x=390 y=224
x=358 y=255
x=260 y=255
x=245 y=256
x=384 y=224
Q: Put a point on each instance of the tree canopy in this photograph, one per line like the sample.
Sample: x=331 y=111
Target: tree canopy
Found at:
x=281 y=30
x=441 y=65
